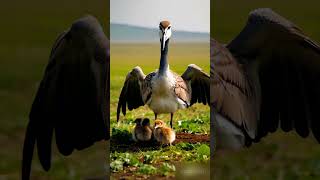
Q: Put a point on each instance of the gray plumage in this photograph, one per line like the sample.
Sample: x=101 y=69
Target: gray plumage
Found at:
x=267 y=76
x=73 y=97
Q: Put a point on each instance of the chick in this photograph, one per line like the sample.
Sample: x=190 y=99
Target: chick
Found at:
x=142 y=131
x=163 y=134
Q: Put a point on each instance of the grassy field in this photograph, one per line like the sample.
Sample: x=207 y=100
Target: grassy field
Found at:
x=28 y=30
x=280 y=155
x=196 y=119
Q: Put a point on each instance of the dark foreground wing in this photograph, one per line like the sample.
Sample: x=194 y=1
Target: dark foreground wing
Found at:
x=278 y=71
x=72 y=99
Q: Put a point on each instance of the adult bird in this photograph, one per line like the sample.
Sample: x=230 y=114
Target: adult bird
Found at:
x=268 y=76
x=73 y=97
x=163 y=90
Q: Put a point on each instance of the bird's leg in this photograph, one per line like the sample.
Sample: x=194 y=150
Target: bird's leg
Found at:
x=155 y=116
x=171 y=120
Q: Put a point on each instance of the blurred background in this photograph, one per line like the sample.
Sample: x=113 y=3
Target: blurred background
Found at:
x=28 y=31
x=279 y=155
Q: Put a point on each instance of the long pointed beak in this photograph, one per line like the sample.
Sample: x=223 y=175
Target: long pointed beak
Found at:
x=163 y=40
x=155 y=127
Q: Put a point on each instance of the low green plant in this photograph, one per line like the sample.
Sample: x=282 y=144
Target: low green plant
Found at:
x=185 y=146
x=116 y=165
x=147 y=169
x=166 y=169
x=203 y=152
x=121 y=160
x=121 y=134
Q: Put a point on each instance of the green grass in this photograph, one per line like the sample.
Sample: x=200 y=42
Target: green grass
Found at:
x=280 y=155
x=28 y=31
x=162 y=162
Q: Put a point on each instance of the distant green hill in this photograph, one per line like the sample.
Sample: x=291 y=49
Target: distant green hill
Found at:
x=129 y=33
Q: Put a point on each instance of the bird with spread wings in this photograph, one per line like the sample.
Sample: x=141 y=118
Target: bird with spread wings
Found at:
x=163 y=90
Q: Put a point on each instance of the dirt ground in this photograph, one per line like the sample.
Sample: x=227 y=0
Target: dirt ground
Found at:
x=192 y=138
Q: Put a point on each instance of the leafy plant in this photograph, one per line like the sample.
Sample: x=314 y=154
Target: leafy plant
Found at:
x=203 y=152
x=147 y=169
x=185 y=146
x=166 y=169
x=130 y=160
x=193 y=126
x=120 y=160
x=148 y=158
x=122 y=135
x=116 y=166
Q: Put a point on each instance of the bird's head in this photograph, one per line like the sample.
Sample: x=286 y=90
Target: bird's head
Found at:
x=146 y=122
x=158 y=123
x=138 y=121
x=164 y=32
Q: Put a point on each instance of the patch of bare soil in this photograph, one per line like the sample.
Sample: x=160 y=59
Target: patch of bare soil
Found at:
x=191 y=138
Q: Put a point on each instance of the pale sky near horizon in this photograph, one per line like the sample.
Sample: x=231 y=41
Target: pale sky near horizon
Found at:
x=186 y=15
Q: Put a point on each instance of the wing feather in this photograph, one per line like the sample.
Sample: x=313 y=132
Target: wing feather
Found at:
x=267 y=76
x=199 y=82
x=71 y=100
x=181 y=89
x=131 y=94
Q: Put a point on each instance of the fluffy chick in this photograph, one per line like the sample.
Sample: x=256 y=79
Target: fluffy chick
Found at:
x=142 y=131
x=163 y=134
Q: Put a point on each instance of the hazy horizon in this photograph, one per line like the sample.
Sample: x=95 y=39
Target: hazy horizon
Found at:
x=156 y=28
x=131 y=33
x=193 y=17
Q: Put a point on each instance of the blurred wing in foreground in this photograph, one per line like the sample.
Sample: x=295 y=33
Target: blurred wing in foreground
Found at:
x=267 y=76
x=73 y=96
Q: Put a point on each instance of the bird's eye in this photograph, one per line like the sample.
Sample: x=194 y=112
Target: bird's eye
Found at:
x=169 y=27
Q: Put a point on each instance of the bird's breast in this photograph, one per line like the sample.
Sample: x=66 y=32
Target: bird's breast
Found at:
x=163 y=99
x=163 y=85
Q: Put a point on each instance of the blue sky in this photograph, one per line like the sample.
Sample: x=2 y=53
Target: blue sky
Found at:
x=186 y=15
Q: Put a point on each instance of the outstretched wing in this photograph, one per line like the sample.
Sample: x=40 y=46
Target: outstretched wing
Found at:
x=72 y=99
x=230 y=90
x=199 y=81
x=275 y=77
x=134 y=91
